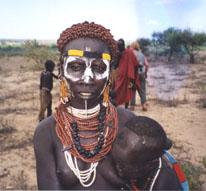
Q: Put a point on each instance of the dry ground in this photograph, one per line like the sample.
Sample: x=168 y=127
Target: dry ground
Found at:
x=183 y=118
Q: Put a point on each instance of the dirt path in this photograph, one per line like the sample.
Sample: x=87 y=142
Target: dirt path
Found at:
x=184 y=121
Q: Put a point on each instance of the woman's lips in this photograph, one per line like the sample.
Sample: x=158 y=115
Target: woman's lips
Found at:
x=85 y=93
x=86 y=89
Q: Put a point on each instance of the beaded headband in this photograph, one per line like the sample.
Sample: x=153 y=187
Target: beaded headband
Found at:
x=88 y=54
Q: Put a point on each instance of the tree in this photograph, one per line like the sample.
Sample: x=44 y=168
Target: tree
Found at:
x=144 y=43
x=158 y=37
x=157 y=40
x=170 y=38
x=191 y=42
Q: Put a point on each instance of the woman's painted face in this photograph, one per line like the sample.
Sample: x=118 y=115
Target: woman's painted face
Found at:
x=82 y=68
x=86 y=67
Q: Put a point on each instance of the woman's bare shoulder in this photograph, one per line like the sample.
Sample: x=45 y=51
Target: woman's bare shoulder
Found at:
x=45 y=128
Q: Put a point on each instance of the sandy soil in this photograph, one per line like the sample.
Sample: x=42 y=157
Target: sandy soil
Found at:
x=182 y=117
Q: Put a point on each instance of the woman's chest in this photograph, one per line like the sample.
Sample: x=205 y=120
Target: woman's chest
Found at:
x=76 y=174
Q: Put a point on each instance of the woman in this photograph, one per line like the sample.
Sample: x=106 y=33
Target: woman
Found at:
x=73 y=147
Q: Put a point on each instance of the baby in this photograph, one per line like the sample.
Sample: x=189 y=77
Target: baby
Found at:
x=140 y=161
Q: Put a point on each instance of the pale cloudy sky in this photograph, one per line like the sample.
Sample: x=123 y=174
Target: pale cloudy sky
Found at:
x=128 y=19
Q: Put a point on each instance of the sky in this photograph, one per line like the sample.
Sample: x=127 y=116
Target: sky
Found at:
x=127 y=19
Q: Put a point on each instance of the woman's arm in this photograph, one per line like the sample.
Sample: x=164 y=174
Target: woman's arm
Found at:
x=45 y=161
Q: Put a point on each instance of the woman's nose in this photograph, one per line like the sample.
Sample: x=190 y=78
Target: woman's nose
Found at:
x=88 y=75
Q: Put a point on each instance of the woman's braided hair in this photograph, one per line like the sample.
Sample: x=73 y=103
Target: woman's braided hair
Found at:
x=87 y=29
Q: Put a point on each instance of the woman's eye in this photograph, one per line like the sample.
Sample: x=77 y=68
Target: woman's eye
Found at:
x=99 y=67
x=76 y=67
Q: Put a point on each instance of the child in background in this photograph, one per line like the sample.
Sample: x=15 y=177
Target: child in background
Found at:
x=46 y=85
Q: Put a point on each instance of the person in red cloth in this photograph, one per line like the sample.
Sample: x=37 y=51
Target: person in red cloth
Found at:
x=126 y=77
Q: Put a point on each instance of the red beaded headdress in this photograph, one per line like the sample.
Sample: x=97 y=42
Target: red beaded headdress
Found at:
x=87 y=29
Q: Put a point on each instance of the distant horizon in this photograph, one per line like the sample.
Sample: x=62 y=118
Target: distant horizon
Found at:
x=22 y=39
x=54 y=40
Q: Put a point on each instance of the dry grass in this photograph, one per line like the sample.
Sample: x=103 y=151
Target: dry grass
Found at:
x=6 y=127
x=20 y=182
x=202 y=102
x=18 y=110
x=15 y=144
x=202 y=89
x=5 y=97
x=174 y=102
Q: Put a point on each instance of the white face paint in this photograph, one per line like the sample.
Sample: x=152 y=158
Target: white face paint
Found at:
x=89 y=68
x=106 y=73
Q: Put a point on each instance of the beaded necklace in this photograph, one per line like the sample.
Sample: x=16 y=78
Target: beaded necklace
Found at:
x=76 y=133
x=102 y=126
x=81 y=113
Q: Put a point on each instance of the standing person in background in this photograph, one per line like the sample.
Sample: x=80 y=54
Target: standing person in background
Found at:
x=141 y=70
x=46 y=85
x=126 y=78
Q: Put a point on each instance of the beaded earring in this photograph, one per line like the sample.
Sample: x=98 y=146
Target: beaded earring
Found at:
x=64 y=91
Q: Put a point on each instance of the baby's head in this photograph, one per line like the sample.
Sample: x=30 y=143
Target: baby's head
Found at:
x=138 y=147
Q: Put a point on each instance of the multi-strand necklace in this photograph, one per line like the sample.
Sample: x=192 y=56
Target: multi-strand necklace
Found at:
x=88 y=139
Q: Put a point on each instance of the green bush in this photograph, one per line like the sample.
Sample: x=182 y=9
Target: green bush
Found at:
x=40 y=53
x=204 y=161
x=193 y=174
x=32 y=50
x=8 y=50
